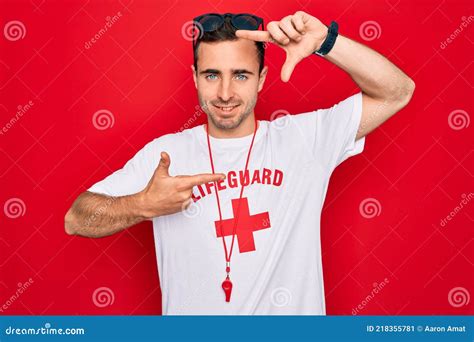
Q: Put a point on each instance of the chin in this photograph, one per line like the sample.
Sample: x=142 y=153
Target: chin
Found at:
x=226 y=121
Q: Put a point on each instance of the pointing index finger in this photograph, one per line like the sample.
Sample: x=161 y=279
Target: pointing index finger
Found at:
x=258 y=36
x=190 y=181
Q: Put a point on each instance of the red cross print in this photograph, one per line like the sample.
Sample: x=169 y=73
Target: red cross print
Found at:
x=246 y=225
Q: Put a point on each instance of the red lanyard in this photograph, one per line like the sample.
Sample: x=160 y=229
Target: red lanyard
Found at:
x=227 y=284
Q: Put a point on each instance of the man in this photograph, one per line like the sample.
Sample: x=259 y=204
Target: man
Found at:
x=272 y=176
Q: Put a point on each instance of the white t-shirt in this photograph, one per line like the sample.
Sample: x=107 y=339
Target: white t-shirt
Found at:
x=276 y=266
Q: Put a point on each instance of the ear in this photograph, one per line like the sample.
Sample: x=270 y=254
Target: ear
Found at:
x=263 y=76
x=194 y=76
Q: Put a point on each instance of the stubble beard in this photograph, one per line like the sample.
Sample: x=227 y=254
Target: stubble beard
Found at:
x=227 y=125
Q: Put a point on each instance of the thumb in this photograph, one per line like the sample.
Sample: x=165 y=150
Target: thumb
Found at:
x=163 y=167
x=288 y=67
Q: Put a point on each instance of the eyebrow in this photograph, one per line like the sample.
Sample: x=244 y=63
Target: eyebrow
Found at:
x=218 y=72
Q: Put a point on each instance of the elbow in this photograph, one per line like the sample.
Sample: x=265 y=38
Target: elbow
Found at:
x=410 y=88
x=403 y=94
x=69 y=223
x=408 y=91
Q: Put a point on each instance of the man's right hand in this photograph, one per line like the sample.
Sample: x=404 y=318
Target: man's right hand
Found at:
x=166 y=194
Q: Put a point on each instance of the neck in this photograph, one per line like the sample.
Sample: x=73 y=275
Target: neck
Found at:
x=247 y=127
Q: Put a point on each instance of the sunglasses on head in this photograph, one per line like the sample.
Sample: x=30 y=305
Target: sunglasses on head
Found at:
x=210 y=22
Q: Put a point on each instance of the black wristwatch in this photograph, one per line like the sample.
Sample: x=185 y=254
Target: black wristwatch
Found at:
x=328 y=43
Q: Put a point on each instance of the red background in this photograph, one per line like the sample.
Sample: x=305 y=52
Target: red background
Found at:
x=416 y=166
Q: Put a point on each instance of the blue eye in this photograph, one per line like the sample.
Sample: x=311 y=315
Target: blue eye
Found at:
x=241 y=77
x=211 y=77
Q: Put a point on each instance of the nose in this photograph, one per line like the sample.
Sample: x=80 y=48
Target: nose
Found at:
x=225 y=91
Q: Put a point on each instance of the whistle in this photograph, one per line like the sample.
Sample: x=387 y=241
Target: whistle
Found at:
x=227 y=287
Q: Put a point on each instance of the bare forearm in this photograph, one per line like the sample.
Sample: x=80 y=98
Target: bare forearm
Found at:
x=95 y=215
x=374 y=74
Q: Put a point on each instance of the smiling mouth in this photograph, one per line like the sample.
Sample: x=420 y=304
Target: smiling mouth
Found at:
x=226 y=109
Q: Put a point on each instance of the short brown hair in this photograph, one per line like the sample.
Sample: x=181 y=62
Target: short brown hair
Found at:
x=225 y=33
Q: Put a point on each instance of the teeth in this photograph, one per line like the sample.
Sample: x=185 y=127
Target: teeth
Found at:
x=227 y=109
